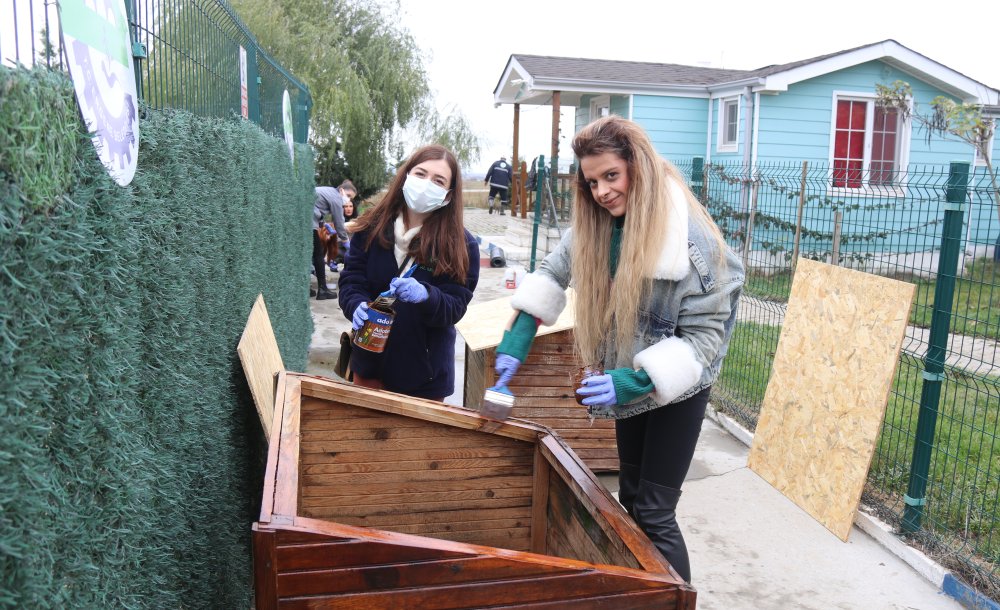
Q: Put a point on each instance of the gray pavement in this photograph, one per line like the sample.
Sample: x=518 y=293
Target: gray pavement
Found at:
x=751 y=548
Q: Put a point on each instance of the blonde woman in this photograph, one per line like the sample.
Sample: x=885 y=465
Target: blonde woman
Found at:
x=657 y=289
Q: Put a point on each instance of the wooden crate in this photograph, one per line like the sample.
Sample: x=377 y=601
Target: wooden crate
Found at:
x=543 y=386
x=379 y=500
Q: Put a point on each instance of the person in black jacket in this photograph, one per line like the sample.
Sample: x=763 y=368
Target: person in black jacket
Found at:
x=418 y=222
x=498 y=178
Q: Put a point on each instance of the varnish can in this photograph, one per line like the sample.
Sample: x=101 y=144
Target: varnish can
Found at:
x=375 y=331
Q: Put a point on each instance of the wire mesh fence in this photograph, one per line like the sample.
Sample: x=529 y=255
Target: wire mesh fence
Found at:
x=194 y=55
x=774 y=213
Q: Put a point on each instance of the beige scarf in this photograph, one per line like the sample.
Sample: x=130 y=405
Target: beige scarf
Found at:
x=403 y=239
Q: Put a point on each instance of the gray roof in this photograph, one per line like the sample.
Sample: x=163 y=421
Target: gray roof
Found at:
x=606 y=70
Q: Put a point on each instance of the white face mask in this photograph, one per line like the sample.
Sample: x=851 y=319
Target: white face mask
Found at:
x=422 y=195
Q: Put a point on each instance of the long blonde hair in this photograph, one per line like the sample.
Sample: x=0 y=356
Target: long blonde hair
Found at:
x=603 y=306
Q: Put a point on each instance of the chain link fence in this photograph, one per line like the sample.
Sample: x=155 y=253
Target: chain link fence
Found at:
x=774 y=213
x=194 y=55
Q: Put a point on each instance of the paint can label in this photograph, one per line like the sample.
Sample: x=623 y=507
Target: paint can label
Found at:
x=375 y=331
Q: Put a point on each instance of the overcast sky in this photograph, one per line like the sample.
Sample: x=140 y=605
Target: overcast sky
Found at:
x=467 y=44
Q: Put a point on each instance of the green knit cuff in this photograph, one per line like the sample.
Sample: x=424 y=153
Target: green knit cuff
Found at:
x=630 y=384
x=517 y=341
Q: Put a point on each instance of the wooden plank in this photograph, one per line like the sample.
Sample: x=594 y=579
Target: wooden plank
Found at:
x=413 y=500
x=483 y=324
x=455 y=518
x=477 y=377
x=430 y=488
x=403 y=575
x=514 y=461
x=398 y=476
x=539 y=503
x=363 y=514
x=832 y=373
x=271 y=470
x=326 y=555
x=265 y=569
x=287 y=472
x=445 y=440
x=562 y=587
x=261 y=361
x=608 y=513
x=427 y=410
x=482 y=453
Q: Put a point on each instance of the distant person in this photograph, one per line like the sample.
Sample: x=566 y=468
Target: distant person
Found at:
x=329 y=202
x=498 y=178
x=417 y=224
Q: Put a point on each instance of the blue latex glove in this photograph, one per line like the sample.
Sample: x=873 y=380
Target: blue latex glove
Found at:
x=333 y=266
x=408 y=290
x=599 y=390
x=360 y=315
x=505 y=366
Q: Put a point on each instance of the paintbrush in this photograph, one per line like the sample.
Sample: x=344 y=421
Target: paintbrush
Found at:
x=385 y=300
x=497 y=402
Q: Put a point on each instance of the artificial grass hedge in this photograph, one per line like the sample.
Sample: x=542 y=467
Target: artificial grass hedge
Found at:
x=132 y=458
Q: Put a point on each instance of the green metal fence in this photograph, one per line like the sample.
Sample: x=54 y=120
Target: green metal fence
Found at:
x=194 y=55
x=935 y=474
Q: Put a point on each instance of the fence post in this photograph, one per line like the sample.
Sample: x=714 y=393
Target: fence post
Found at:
x=838 y=217
x=798 y=218
x=930 y=393
x=748 y=238
x=697 y=174
x=540 y=179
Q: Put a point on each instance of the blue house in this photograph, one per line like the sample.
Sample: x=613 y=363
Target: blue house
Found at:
x=821 y=111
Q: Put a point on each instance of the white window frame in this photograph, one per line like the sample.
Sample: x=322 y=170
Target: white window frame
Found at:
x=601 y=102
x=721 y=144
x=902 y=147
x=978 y=160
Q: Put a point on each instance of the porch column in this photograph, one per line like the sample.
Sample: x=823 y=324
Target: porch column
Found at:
x=555 y=139
x=515 y=185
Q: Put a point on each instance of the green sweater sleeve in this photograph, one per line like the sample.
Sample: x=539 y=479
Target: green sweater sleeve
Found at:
x=630 y=384
x=517 y=341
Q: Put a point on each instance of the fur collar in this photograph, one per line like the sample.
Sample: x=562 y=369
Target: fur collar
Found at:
x=673 y=263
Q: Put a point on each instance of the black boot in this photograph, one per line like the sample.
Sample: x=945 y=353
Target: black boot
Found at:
x=324 y=293
x=655 y=512
x=628 y=486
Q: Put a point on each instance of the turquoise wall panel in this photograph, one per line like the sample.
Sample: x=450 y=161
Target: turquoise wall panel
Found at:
x=677 y=125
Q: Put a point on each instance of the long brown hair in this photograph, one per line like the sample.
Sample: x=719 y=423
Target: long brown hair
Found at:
x=441 y=240
x=601 y=304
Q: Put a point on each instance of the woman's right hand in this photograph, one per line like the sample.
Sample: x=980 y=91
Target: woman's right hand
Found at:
x=506 y=365
x=360 y=316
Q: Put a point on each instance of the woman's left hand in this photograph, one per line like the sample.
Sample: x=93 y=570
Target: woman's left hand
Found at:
x=599 y=390
x=408 y=290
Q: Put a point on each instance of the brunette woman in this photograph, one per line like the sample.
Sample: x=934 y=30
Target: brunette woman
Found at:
x=417 y=223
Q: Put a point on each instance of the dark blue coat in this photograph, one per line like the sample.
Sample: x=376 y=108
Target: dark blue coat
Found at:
x=419 y=356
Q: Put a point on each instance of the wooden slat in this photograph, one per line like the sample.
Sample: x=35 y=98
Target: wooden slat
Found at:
x=608 y=513
x=415 y=476
x=443 y=518
x=565 y=587
x=360 y=514
x=414 y=500
x=430 y=488
x=287 y=473
x=477 y=378
x=574 y=532
x=402 y=575
x=513 y=462
x=325 y=555
x=539 y=503
x=265 y=568
x=468 y=453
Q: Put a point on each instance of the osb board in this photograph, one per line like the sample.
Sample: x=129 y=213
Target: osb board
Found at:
x=483 y=324
x=261 y=361
x=831 y=376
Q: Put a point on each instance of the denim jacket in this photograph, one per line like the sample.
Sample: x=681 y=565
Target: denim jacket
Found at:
x=684 y=323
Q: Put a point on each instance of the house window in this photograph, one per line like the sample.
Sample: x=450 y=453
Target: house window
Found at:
x=866 y=144
x=729 y=124
x=600 y=107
